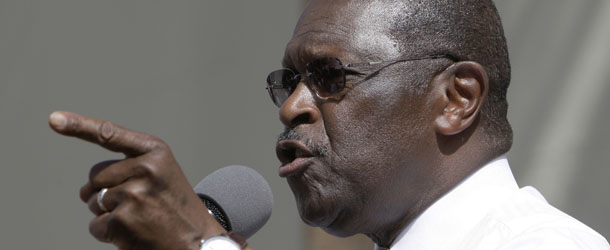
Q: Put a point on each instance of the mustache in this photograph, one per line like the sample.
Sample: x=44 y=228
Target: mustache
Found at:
x=321 y=149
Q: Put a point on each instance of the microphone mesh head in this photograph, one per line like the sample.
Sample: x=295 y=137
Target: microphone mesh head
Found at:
x=242 y=194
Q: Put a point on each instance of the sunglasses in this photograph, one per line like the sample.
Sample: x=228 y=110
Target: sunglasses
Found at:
x=325 y=76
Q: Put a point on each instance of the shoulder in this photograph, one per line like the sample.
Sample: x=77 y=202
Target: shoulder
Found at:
x=523 y=220
x=535 y=224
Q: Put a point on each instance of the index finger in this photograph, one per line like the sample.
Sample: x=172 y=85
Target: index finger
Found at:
x=104 y=133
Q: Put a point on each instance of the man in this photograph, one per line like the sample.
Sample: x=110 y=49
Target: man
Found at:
x=395 y=116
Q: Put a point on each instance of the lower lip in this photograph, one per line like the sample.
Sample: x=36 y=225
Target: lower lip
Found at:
x=296 y=166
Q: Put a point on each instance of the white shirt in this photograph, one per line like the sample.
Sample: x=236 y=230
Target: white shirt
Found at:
x=488 y=211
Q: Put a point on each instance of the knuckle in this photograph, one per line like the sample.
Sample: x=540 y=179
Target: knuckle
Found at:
x=145 y=170
x=106 y=132
x=123 y=217
x=135 y=193
x=118 y=219
x=157 y=144
x=153 y=176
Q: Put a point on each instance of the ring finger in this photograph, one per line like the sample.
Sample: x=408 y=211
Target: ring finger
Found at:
x=108 y=200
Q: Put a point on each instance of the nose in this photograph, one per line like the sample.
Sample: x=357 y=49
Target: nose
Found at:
x=300 y=108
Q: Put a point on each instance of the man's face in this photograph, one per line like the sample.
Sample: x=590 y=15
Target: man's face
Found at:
x=356 y=163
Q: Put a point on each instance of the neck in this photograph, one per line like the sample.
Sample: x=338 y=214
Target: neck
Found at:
x=459 y=157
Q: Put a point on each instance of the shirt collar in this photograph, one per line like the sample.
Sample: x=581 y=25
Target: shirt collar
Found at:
x=448 y=219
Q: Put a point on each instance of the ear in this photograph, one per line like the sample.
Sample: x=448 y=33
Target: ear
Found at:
x=461 y=91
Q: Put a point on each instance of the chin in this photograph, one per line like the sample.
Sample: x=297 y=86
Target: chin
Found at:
x=316 y=213
x=321 y=202
x=339 y=228
x=331 y=219
x=334 y=216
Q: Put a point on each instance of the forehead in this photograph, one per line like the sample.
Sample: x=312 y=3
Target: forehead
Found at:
x=352 y=30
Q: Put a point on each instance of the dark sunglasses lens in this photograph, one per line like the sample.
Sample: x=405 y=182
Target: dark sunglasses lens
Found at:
x=327 y=76
x=279 y=96
x=280 y=84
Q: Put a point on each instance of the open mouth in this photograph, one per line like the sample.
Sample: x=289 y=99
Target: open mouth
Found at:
x=294 y=155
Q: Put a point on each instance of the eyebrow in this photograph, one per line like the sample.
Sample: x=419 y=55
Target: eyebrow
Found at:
x=292 y=61
x=303 y=54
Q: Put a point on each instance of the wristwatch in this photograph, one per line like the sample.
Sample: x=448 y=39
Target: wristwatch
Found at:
x=228 y=241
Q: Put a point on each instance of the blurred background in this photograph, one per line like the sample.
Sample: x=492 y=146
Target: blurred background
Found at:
x=193 y=72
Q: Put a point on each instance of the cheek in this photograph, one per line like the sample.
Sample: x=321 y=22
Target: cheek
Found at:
x=375 y=132
x=373 y=120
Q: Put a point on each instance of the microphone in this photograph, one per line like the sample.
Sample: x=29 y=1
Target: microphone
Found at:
x=238 y=197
